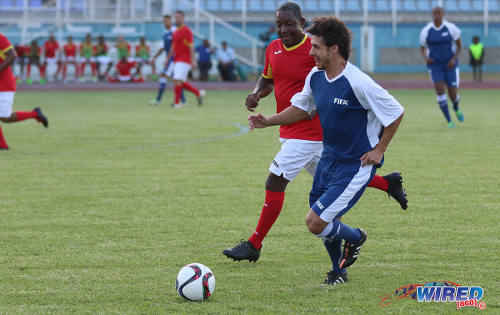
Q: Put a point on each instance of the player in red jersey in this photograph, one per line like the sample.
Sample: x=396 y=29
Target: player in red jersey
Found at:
x=69 y=58
x=287 y=64
x=51 y=53
x=8 y=89
x=34 y=52
x=183 y=51
x=123 y=71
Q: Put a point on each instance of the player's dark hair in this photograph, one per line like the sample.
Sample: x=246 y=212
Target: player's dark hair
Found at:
x=291 y=6
x=334 y=32
x=167 y=16
x=180 y=12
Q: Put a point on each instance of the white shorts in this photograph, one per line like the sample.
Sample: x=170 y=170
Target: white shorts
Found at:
x=68 y=58
x=181 y=70
x=124 y=78
x=296 y=155
x=103 y=59
x=83 y=59
x=52 y=60
x=139 y=59
x=6 y=101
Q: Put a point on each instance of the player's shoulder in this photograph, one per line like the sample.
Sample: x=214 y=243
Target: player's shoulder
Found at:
x=356 y=77
x=450 y=26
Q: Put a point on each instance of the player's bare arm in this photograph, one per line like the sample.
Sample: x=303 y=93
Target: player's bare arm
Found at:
x=194 y=65
x=289 y=116
x=453 y=59
x=10 y=56
x=160 y=51
x=263 y=88
x=374 y=156
x=424 y=54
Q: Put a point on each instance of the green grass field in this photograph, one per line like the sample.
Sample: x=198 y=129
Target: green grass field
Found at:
x=100 y=212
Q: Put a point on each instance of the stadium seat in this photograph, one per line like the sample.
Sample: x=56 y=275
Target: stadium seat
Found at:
x=35 y=3
x=4 y=4
x=382 y=6
x=255 y=5
x=311 y=5
x=424 y=5
x=325 y=5
x=212 y=5
x=493 y=6
x=464 y=5
x=450 y=5
x=409 y=5
x=268 y=5
x=478 y=5
x=227 y=5
x=352 y=5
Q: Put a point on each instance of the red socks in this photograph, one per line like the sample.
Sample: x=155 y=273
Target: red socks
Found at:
x=270 y=212
x=3 y=144
x=379 y=182
x=190 y=88
x=26 y=115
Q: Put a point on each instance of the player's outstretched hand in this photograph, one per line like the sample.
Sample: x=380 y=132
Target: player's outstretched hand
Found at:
x=372 y=157
x=257 y=121
x=252 y=101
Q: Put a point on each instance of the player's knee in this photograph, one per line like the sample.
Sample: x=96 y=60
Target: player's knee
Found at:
x=313 y=223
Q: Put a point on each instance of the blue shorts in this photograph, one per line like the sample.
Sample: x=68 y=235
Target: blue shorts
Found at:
x=337 y=186
x=440 y=72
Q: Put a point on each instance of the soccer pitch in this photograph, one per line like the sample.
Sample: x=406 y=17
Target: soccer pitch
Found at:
x=100 y=211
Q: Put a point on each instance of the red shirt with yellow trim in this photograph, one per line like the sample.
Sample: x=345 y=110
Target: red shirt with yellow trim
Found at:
x=70 y=50
x=182 y=41
x=7 y=80
x=289 y=67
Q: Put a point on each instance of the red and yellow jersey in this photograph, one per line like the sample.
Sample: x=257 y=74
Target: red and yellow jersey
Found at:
x=50 y=49
x=289 y=67
x=182 y=41
x=69 y=50
x=7 y=80
x=142 y=51
x=87 y=50
x=124 y=68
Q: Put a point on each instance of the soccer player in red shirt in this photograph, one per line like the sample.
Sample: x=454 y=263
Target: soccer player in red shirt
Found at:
x=69 y=58
x=123 y=69
x=287 y=65
x=51 y=53
x=8 y=89
x=183 y=51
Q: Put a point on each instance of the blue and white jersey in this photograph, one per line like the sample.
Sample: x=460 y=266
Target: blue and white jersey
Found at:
x=167 y=38
x=440 y=41
x=352 y=109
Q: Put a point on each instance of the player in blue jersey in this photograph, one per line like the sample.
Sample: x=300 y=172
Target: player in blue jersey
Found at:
x=440 y=46
x=359 y=118
x=168 y=68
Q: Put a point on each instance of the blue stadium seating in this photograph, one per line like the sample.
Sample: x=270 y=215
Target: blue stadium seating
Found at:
x=325 y=5
x=310 y=5
x=255 y=5
x=35 y=3
x=353 y=5
x=464 y=5
x=409 y=5
x=212 y=5
x=383 y=5
x=268 y=5
x=477 y=5
x=450 y=5
x=424 y=5
x=493 y=6
x=227 y=5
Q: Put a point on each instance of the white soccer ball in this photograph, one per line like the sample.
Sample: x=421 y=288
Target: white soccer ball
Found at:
x=195 y=282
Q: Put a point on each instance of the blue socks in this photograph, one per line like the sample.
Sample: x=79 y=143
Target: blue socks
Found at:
x=161 y=89
x=443 y=104
x=334 y=249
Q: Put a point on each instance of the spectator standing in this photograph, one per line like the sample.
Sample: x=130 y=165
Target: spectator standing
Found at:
x=204 y=59
x=225 y=57
x=476 y=51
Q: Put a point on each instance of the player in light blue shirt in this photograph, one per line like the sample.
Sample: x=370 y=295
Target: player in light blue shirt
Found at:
x=440 y=45
x=359 y=119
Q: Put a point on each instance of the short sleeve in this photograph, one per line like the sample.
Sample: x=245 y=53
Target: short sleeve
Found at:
x=375 y=98
x=5 y=45
x=267 y=73
x=454 y=31
x=304 y=99
x=423 y=36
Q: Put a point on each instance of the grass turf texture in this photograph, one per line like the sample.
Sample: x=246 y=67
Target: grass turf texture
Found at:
x=101 y=211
